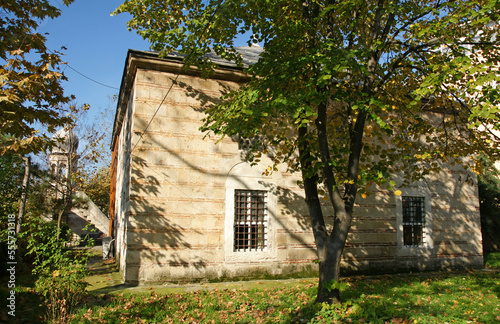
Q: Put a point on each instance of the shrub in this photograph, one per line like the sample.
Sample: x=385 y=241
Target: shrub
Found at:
x=62 y=291
x=492 y=260
x=60 y=272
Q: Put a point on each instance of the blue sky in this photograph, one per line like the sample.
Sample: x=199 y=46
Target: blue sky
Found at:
x=97 y=45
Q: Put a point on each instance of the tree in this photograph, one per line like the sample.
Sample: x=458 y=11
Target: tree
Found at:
x=10 y=183
x=31 y=95
x=14 y=183
x=11 y=178
x=83 y=143
x=96 y=184
x=94 y=175
x=489 y=194
x=350 y=93
x=24 y=193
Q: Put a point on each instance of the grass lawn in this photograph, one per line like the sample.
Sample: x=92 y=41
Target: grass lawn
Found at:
x=460 y=297
x=492 y=260
x=472 y=297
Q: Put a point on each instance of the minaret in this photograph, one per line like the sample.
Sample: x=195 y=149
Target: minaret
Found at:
x=63 y=159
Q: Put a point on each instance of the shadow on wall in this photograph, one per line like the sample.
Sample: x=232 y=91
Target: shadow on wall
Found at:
x=154 y=236
x=292 y=204
x=206 y=101
x=152 y=216
x=457 y=218
x=375 y=240
x=161 y=235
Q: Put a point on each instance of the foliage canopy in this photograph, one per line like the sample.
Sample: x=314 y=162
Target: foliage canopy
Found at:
x=30 y=77
x=385 y=61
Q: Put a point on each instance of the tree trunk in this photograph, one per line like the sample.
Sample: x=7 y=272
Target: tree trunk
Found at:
x=67 y=192
x=329 y=270
x=24 y=193
x=329 y=274
x=59 y=217
x=329 y=247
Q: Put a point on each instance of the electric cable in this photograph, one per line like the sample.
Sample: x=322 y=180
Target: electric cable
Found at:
x=83 y=75
x=176 y=77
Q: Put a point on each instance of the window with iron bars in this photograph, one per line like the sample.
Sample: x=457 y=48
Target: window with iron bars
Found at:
x=413 y=221
x=250 y=220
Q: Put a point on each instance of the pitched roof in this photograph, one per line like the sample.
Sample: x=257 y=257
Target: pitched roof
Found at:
x=250 y=55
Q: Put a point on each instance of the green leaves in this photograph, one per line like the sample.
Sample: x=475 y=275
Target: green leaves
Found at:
x=390 y=61
x=97 y=186
x=30 y=77
x=11 y=176
x=59 y=272
x=350 y=94
x=331 y=285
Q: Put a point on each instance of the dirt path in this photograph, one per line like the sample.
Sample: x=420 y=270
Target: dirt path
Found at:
x=105 y=278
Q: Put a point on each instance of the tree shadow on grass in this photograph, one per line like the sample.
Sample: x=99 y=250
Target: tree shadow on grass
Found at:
x=215 y=305
x=489 y=279
x=28 y=305
x=432 y=297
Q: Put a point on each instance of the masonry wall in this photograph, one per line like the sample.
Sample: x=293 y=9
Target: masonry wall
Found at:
x=175 y=228
x=174 y=219
x=122 y=193
x=453 y=230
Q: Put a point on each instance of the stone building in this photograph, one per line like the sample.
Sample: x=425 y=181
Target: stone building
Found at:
x=188 y=207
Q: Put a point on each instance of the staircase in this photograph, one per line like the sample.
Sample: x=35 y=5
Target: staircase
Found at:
x=85 y=212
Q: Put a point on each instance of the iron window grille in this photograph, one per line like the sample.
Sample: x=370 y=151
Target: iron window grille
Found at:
x=250 y=220
x=413 y=221
x=249 y=143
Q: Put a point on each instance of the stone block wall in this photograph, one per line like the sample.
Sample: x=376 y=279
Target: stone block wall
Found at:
x=175 y=192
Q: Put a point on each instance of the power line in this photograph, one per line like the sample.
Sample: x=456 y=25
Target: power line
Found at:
x=83 y=75
x=176 y=77
x=157 y=109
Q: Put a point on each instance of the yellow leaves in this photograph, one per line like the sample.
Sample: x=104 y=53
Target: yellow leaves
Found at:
x=398 y=193
x=424 y=156
x=270 y=169
x=16 y=52
x=52 y=74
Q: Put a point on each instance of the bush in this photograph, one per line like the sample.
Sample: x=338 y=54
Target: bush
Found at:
x=60 y=272
x=492 y=260
x=43 y=251
x=62 y=291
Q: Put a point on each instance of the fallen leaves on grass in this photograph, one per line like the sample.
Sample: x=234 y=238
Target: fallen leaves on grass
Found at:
x=400 y=300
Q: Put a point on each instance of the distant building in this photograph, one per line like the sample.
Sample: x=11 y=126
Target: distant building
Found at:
x=63 y=159
x=185 y=207
x=84 y=217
